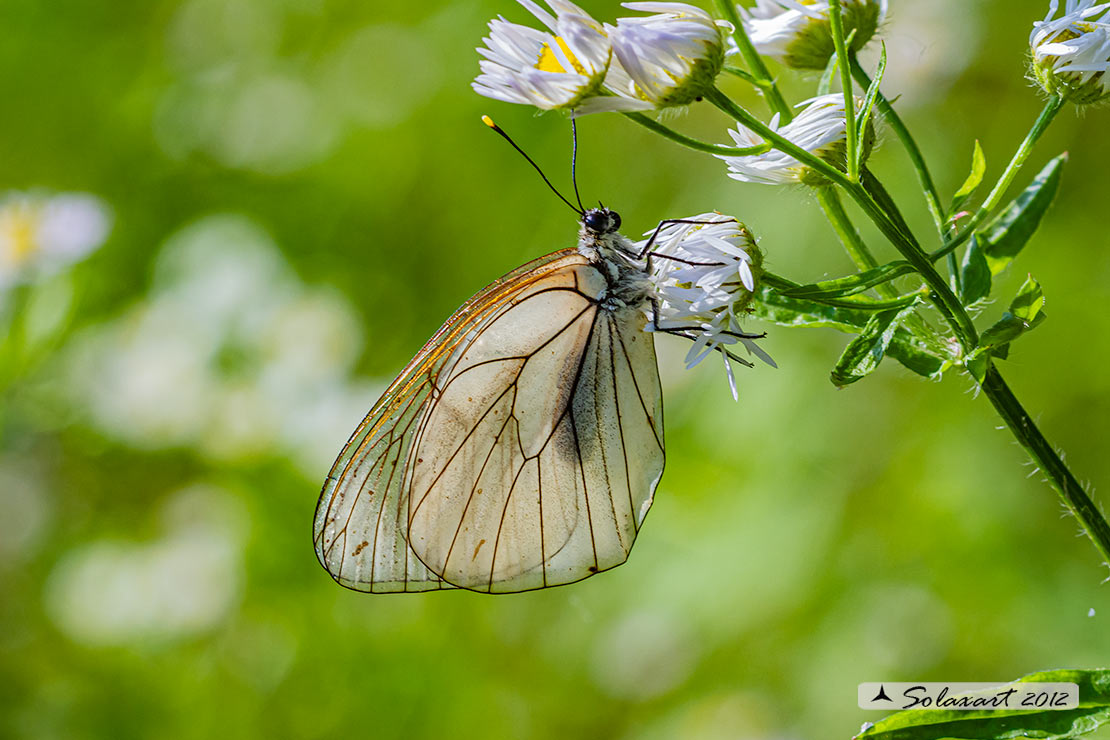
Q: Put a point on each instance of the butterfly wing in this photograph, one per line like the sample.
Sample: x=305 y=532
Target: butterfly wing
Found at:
x=539 y=458
x=360 y=526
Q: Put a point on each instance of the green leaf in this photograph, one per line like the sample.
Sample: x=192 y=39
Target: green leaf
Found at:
x=773 y=306
x=858 y=302
x=978 y=169
x=824 y=87
x=868 y=105
x=1007 y=234
x=975 y=273
x=1004 y=724
x=1025 y=314
x=916 y=355
x=1029 y=301
x=977 y=365
x=864 y=353
x=851 y=284
x=912 y=351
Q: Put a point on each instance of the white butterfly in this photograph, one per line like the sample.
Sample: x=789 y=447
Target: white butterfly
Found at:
x=521 y=447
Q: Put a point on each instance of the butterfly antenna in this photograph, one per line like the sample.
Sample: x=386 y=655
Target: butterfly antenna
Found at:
x=574 y=162
x=489 y=122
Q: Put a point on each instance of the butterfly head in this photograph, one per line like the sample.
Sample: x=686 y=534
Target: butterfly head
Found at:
x=601 y=221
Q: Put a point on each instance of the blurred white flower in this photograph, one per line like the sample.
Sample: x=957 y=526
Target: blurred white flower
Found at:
x=41 y=234
x=113 y=592
x=229 y=354
x=820 y=129
x=798 y=33
x=550 y=70
x=667 y=59
x=705 y=275
x=1071 y=54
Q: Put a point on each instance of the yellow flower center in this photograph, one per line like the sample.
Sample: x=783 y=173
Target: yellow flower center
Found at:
x=17 y=234
x=549 y=62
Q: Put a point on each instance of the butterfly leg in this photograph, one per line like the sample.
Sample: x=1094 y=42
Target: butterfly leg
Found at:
x=666 y=222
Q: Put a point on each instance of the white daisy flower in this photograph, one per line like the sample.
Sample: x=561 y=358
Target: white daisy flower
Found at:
x=1071 y=54
x=705 y=275
x=41 y=234
x=667 y=59
x=554 y=69
x=797 y=32
x=820 y=128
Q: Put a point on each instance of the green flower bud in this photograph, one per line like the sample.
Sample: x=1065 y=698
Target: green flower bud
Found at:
x=800 y=34
x=1071 y=54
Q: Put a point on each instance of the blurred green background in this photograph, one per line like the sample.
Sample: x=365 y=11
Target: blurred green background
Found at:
x=300 y=192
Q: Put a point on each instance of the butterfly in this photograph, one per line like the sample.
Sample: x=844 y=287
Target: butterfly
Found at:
x=522 y=446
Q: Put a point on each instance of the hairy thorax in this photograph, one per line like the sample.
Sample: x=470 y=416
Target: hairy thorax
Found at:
x=627 y=283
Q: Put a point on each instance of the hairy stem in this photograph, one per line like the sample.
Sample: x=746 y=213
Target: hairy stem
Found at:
x=836 y=23
x=1075 y=498
x=928 y=187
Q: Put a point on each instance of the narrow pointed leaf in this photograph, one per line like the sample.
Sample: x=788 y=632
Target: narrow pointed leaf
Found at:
x=858 y=302
x=1007 y=234
x=909 y=349
x=975 y=273
x=864 y=353
x=978 y=169
x=824 y=87
x=869 y=105
x=773 y=306
x=1006 y=724
x=851 y=284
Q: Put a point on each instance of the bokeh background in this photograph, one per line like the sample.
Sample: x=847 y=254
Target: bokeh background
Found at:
x=284 y=198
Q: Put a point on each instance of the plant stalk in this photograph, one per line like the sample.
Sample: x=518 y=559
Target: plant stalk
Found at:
x=1023 y=428
x=698 y=144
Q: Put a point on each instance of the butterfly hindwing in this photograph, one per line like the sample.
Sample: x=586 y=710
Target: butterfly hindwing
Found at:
x=535 y=469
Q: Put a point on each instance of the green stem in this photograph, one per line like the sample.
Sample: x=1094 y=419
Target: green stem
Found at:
x=942 y=296
x=874 y=187
x=829 y=199
x=837 y=25
x=1025 y=431
x=928 y=187
x=1051 y=108
x=701 y=146
x=830 y=203
x=760 y=76
x=742 y=74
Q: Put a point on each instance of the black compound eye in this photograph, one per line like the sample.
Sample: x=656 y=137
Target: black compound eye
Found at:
x=602 y=220
x=596 y=220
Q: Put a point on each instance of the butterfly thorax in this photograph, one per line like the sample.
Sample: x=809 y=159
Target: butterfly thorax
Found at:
x=615 y=257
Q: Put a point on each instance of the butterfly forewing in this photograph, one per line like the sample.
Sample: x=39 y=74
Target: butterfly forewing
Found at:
x=521 y=449
x=361 y=518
